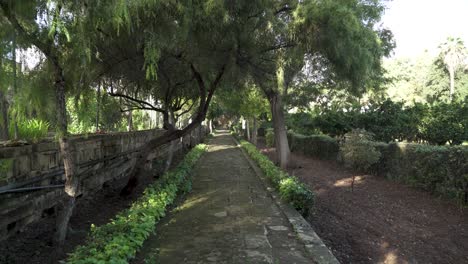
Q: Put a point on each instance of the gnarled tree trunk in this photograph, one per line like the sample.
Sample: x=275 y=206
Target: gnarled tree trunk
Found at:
x=172 y=134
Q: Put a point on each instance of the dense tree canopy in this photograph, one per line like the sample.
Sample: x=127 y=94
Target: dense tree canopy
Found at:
x=104 y=62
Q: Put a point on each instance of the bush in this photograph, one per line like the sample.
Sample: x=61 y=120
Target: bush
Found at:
x=359 y=152
x=33 y=130
x=446 y=123
x=301 y=123
x=441 y=170
x=391 y=121
x=270 y=137
x=297 y=194
x=119 y=240
x=334 y=123
x=320 y=146
x=290 y=188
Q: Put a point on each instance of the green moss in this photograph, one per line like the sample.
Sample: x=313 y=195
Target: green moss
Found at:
x=5 y=167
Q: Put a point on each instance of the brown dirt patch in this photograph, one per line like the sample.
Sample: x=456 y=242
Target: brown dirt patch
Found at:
x=34 y=244
x=380 y=221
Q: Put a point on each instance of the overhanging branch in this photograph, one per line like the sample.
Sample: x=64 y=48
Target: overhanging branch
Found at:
x=142 y=103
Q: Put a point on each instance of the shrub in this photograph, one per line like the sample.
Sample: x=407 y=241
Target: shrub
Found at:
x=118 y=241
x=297 y=194
x=446 y=123
x=290 y=188
x=270 y=137
x=441 y=170
x=302 y=123
x=33 y=129
x=334 y=123
x=321 y=146
x=359 y=151
x=391 y=121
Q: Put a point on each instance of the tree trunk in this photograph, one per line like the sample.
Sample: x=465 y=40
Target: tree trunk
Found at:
x=210 y=124
x=130 y=121
x=4 y=112
x=254 y=132
x=159 y=141
x=15 y=88
x=200 y=133
x=98 y=103
x=157 y=120
x=172 y=145
x=4 y=129
x=279 y=126
x=247 y=128
x=170 y=135
x=67 y=151
x=452 y=84
x=235 y=124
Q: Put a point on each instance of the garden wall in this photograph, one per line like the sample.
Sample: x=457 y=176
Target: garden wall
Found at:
x=441 y=170
x=31 y=176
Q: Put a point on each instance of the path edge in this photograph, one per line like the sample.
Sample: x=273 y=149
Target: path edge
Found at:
x=313 y=244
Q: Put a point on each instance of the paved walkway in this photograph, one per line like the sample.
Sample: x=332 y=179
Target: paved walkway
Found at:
x=229 y=217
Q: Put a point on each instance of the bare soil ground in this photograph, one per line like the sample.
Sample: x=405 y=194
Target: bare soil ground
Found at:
x=34 y=244
x=380 y=221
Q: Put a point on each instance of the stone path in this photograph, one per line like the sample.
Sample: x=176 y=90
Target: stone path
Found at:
x=229 y=217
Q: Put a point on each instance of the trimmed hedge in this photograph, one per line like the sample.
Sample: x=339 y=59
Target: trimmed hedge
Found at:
x=320 y=146
x=440 y=170
x=290 y=188
x=118 y=241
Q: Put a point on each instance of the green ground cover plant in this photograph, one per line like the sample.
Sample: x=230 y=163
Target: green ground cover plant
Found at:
x=118 y=241
x=289 y=187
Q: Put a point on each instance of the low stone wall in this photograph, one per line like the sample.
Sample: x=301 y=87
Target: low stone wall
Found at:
x=31 y=176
